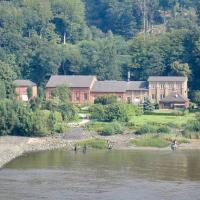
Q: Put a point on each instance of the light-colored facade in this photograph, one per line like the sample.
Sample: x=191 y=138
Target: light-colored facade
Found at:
x=161 y=87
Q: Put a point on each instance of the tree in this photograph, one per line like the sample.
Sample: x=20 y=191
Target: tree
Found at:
x=7 y=76
x=62 y=93
x=105 y=100
x=180 y=69
x=37 y=15
x=196 y=96
x=45 y=62
x=69 y=19
x=148 y=106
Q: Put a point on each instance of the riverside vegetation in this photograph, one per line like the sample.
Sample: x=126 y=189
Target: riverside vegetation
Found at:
x=44 y=37
x=153 y=128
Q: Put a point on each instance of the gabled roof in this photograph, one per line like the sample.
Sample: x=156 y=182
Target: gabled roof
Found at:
x=174 y=97
x=137 y=85
x=70 y=81
x=24 y=83
x=168 y=78
x=119 y=86
x=109 y=86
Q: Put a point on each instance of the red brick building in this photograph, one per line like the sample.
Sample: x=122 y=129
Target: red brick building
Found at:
x=160 y=89
x=80 y=87
x=21 y=88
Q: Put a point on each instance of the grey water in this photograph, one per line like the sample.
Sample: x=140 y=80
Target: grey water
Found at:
x=102 y=175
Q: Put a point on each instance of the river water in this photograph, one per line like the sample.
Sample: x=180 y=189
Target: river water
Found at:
x=103 y=175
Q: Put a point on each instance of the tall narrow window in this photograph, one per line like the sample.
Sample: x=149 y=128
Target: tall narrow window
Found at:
x=77 y=96
x=85 y=96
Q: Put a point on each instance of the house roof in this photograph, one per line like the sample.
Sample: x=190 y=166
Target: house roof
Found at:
x=24 y=83
x=118 y=86
x=70 y=81
x=137 y=85
x=168 y=78
x=174 y=97
x=109 y=86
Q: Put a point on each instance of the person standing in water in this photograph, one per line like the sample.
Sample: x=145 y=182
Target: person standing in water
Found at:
x=174 y=145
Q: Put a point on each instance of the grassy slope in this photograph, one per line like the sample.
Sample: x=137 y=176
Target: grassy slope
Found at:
x=162 y=118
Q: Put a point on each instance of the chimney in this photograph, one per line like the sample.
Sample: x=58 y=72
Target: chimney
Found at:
x=129 y=76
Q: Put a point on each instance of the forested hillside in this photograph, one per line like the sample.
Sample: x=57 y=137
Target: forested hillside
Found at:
x=102 y=37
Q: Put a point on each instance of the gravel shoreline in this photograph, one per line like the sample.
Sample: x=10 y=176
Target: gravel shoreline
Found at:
x=12 y=147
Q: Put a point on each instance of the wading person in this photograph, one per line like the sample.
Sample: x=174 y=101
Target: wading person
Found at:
x=84 y=148
x=174 y=145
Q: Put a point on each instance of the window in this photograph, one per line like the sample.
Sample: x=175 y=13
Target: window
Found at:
x=85 y=96
x=162 y=86
x=153 y=96
x=162 y=96
x=77 y=96
x=152 y=86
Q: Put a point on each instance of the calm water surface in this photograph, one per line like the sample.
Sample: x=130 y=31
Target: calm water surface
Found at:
x=103 y=175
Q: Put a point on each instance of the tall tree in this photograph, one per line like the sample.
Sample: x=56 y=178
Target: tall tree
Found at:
x=70 y=19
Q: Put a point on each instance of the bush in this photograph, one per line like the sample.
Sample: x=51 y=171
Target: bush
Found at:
x=94 y=143
x=69 y=111
x=112 y=129
x=192 y=129
x=119 y=112
x=17 y=118
x=97 y=112
x=107 y=99
x=147 y=128
x=150 y=141
x=148 y=106
x=164 y=129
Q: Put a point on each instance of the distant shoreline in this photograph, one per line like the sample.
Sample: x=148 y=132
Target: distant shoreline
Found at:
x=12 y=147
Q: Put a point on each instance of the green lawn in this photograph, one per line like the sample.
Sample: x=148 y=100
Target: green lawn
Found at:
x=162 y=118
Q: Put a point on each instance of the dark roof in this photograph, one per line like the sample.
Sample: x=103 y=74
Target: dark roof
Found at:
x=70 y=81
x=137 y=85
x=109 y=86
x=118 y=86
x=174 y=97
x=24 y=83
x=168 y=78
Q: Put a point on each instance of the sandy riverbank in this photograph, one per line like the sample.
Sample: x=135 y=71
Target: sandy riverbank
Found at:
x=12 y=147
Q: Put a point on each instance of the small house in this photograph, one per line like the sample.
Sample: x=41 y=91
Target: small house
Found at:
x=22 y=87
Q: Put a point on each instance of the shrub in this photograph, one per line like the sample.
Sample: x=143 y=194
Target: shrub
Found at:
x=150 y=141
x=119 y=112
x=192 y=129
x=69 y=111
x=112 y=129
x=97 y=112
x=17 y=118
x=164 y=129
x=94 y=143
x=106 y=99
x=147 y=128
x=148 y=106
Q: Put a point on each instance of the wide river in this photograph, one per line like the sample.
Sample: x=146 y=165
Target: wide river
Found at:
x=103 y=175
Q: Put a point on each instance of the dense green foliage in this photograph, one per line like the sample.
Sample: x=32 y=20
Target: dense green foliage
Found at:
x=17 y=118
x=102 y=37
x=112 y=129
x=148 y=106
x=118 y=111
x=105 y=100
